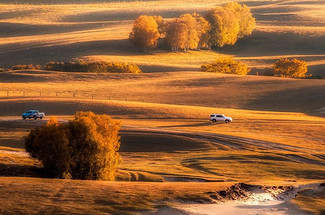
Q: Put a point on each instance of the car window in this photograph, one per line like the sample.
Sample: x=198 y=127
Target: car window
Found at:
x=212 y=115
x=219 y=115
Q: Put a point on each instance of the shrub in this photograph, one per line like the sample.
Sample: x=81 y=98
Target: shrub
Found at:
x=97 y=67
x=226 y=65
x=25 y=66
x=145 y=32
x=84 y=148
x=290 y=68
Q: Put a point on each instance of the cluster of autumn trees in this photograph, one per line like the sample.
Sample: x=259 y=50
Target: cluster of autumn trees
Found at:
x=219 y=27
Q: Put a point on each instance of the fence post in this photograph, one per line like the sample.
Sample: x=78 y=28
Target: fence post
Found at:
x=40 y=93
x=74 y=94
x=7 y=92
x=23 y=93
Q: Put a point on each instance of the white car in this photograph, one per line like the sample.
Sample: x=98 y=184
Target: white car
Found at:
x=220 y=118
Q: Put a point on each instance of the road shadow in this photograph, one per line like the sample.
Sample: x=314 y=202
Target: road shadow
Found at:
x=141 y=141
x=190 y=125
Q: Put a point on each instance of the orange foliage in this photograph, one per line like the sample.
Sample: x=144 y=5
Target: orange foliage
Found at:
x=84 y=148
x=145 y=32
x=290 y=68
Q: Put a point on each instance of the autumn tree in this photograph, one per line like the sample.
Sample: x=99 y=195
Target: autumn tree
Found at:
x=202 y=27
x=145 y=32
x=229 y=23
x=189 y=31
x=226 y=65
x=224 y=26
x=83 y=148
x=245 y=18
x=290 y=68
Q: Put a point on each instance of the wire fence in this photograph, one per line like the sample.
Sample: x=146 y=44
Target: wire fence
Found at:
x=72 y=94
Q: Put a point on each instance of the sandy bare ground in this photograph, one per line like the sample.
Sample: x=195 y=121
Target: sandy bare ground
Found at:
x=259 y=202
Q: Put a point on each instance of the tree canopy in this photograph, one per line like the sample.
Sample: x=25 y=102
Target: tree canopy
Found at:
x=145 y=32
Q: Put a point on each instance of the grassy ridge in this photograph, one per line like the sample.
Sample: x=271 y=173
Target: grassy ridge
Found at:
x=182 y=88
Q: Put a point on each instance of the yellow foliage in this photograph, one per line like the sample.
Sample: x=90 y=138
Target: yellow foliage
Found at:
x=189 y=31
x=245 y=18
x=226 y=65
x=145 y=32
x=290 y=68
x=224 y=26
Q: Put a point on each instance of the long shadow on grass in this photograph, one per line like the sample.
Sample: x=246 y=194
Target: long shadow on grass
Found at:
x=262 y=43
x=306 y=99
x=21 y=170
x=19 y=29
x=42 y=53
x=152 y=142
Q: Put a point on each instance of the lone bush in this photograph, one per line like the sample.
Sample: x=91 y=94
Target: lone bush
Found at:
x=226 y=65
x=84 y=148
x=25 y=66
x=290 y=68
x=96 y=67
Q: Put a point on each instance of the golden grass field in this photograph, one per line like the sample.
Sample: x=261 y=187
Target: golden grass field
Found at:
x=38 y=33
x=170 y=150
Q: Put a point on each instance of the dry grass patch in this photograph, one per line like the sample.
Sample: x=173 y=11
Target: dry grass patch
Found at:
x=84 y=197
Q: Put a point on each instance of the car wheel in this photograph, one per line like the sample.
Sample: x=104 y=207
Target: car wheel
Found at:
x=29 y=117
x=24 y=118
x=41 y=117
x=214 y=120
x=227 y=120
x=35 y=117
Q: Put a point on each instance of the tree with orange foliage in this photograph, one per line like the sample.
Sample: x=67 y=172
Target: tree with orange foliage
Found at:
x=145 y=32
x=83 y=148
x=189 y=31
